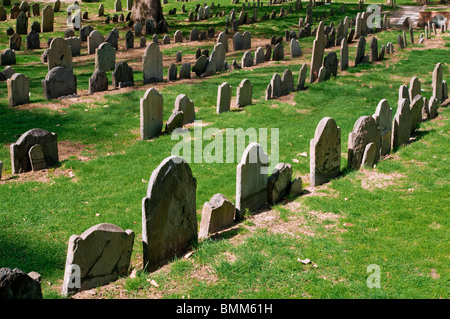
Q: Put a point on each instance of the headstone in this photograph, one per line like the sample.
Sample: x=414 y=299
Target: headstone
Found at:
x=169 y=226
x=59 y=54
x=74 y=44
x=185 y=71
x=85 y=31
x=97 y=257
x=220 y=54
x=276 y=86
x=403 y=92
x=172 y=72
x=151 y=114
x=18 y=89
x=244 y=93
x=129 y=40
x=287 y=82
x=20 y=160
x=383 y=118
x=178 y=36
x=101 y=10
x=105 y=57
x=22 y=23
x=8 y=57
x=122 y=75
x=118 y=6
x=60 y=81
x=98 y=81
x=175 y=121
x=360 y=51
x=200 y=65
x=223 y=98
x=331 y=64
x=113 y=38
x=414 y=87
x=217 y=214
x=222 y=38
x=416 y=107
x=364 y=131
x=238 y=42
x=374 y=49
x=47 y=19
x=302 y=77
x=436 y=83
x=37 y=158
x=152 y=64
x=184 y=104
x=401 y=125
x=325 y=152
x=279 y=182
x=193 y=36
x=251 y=180
x=94 y=40
x=246 y=40
x=344 y=54
x=32 y=40
x=15 y=284
x=295 y=49
x=278 y=52
x=317 y=54
x=247 y=59
x=259 y=56
x=15 y=42
x=432 y=107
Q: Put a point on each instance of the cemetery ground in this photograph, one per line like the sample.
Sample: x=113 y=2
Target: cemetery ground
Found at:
x=394 y=215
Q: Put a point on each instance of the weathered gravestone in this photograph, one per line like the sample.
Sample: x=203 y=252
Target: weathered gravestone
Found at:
x=47 y=19
x=15 y=42
x=251 y=180
x=122 y=75
x=18 y=89
x=169 y=220
x=360 y=51
x=37 y=157
x=416 y=107
x=278 y=52
x=151 y=114
x=325 y=152
x=287 y=82
x=152 y=64
x=178 y=36
x=32 y=40
x=223 y=98
x=217 y=214
x=383 y=118
x=97 y=257
x=247 y=59
x=59 y=54
x=129 y=40
x=200 y=65
x=60 y=81
x=184 y=104
x=331 y=64
x=8 y=57
x=317 y=53
x=279 y=182
x=401 y=125
x=98 y=81
x=344 y=54
x=20 y=160
x=302 y=77
x=94 y=40
x=364 y=131
x=15 y=284
x=436 y=83
x=295 y=49
x=244 y=93
x=22 y=23
x=105 y=57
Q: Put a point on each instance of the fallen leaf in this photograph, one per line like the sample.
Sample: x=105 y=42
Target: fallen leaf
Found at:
x=295 y=160
x=304 y=261
x=188 y=254
x=304 y=154
x=153 y=282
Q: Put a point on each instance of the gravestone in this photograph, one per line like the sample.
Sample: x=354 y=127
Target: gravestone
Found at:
x=74 y=44
x=331 y=64
x=302 y=77
x=8 y=57
x=432 y=107
x=325 y=152
x=251 y=180
x=117 y=6
x=22 y=23
x=295 y=49
x=200 y=65
x=416 y=107
x=172 y=72
x=217 y=214
x=152 y=64
x=32 y=40
x=360 y=51
x=47 y=19
x=414 y=87
x=184 y=104
x=259 y=56
x=193 y=36
x=105 y=57
x=436 y=83
x=244 y=93
x=129 y=40
x=37 y=158
x=276 y=87
x=220 y=54
x=287 y=82
x=278 y=52
x=113 y=38
x=151 y=114
x=18 y=88
x=238 y=42
x=374 y=49
x=317 y=54
x=223 y=98
x=175 y=121
x=101 y=10
x=20 y=160
x=98 y=81
x=370 y=154
x=364 y=131
x=401 y=125
x=97 y=257
x=344 y=54
x=383 y=118
x=247 y=59
x=178 y=36
x=59 y=54
x=15 y=284
x=122 y=75
x=246 y=40
x=15 y=42
x=185 y=71
x=169 y=220
x=85 y=31
x=222 y=38
x=94 y=40
x=59 y=81
x=279 y=182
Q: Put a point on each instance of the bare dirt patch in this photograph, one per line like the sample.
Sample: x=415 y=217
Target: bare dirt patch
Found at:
x=372 y=179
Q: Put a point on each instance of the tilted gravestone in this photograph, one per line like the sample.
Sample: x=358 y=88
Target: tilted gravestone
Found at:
x=276 y=86
x=302 y=77
x=60 y=81
x=20 y=160
x=383 y=118
x=364 y=131
x=325 y=152
x=360 y=51
x=152 y=64
x=105 y=57
x=59 y=54
x=18 y=89
x=401 y=125
x=436 y=83
x=184 y=104
x=317 y=54
x=251 y=180
x=169 y=220
x=151 y=114
x=217 y=214
x=223 y=98
x=244 y=93
x=122 y=75
x=97 y=257
x=414 y=88
x=279 y=183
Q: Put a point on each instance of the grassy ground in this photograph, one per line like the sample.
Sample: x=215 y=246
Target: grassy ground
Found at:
x=105 y=170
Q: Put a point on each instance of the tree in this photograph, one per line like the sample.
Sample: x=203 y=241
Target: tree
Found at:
x=147 y=9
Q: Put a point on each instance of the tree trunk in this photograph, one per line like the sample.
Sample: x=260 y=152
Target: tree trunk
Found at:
x=147 y=9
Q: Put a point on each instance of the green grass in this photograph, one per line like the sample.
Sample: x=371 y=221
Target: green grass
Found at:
x=402 y=231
